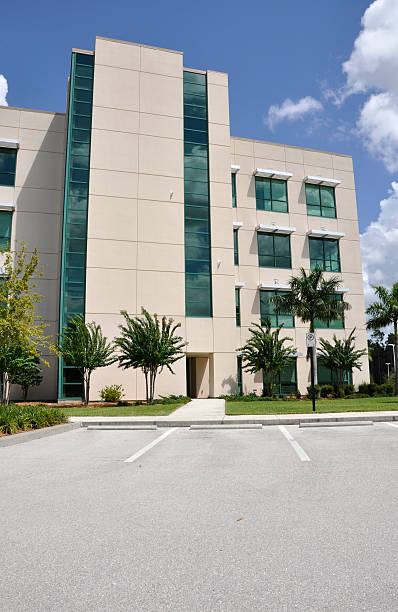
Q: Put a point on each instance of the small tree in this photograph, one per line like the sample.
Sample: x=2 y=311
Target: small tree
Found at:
x=311 y=297
x=383 y=313
x=265 y=351
x=341 y=356
x=83 y=346
x=150 y=345
x=25 y=372
x=21 y=329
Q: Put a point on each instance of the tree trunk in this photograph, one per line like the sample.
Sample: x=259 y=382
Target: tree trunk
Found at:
x=25 y=393
x=7 y=389
x=153 y=384
x=396 y=354
x=87 y=388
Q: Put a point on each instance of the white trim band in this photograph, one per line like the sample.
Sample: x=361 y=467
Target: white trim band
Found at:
x=274 y=287
x=321 y=180
x=270 y=173
x=8 y=206
x=275 y=229
x=322 y=233
x=237 y=224
x=9 y=143
x=341 y=290
x=239 y=284
x=234 y=168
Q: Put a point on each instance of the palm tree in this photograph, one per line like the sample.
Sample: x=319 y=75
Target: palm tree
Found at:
x=341 y=356
x=83 y=346
x=265 y=351
x=311 y=297
x=149 y=344
x=383 y=313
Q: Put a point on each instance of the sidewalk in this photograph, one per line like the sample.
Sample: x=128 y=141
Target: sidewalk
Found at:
x=212 y=412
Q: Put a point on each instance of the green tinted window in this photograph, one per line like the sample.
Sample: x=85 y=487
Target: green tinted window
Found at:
x=328 y=377
x=239 y=375
x=267 y=311
x=331 y=323
x=236 y=248
x=273 y=251
x=233 y=179
x=271 y=194
x=286 y=379
x=320 y=201
x=8 y=162
x=324 y=254
x=237 y=306
x=196 y=196
x=5 y=228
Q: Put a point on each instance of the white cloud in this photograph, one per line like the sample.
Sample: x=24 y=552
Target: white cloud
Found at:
x=292 y=111
x=3 y=90
x=379 y=246
x=373 y=68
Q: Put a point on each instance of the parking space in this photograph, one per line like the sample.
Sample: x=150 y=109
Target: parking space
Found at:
x=201 y=520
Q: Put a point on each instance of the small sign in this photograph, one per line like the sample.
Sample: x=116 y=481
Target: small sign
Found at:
x=310 y=339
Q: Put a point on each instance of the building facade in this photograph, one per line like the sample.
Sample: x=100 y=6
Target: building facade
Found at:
x=139 y=197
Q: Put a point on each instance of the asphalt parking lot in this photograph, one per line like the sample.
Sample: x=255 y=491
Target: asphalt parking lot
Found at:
x=271 y=519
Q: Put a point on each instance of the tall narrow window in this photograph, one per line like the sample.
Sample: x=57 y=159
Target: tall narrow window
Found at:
x=8 y=162
x=5 y=228
x=271 y=194
x=324 y=254
x=273 y=251
x=239 y=375
x=236 y=248
x=198 y=302
x=233 y=179
x=237 y=307
x=320 y=201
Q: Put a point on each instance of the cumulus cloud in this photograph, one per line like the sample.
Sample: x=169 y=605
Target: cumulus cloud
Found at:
x=292 y=111
x=379 y=246
x=373 y=69
x=3 y=90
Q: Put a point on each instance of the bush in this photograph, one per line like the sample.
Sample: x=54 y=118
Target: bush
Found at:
x=327 y=390
x=338 y=392
x=317 y=389
x=363 y=388
x=357 y=396
x=15 y=418
x=172 y=399
x=112 y=393
x=298 y=394
x=349 y=389
x=385 y=389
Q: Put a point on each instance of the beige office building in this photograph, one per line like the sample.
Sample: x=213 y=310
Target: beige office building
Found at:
x=139 y=196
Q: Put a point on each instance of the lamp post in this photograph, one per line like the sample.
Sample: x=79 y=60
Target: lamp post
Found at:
x=393 y=354
x=388 y=370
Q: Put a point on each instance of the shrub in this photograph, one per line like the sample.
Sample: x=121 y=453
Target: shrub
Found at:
x=317 y=389
x=363 y=388
x=112 y=393
x=357 y=396
x=16 y=418
x=338 y=392
x=385 y=389
x=298 y=394
x=172 y=399
x=327 y=390
x=349 y=389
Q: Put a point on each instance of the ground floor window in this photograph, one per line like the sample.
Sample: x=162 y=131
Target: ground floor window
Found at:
x=239 y=376
x=285 y=381
x=326 y=376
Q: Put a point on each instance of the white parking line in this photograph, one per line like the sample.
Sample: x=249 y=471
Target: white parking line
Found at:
x=391 y=424
x=301 y=453
x=150 y=445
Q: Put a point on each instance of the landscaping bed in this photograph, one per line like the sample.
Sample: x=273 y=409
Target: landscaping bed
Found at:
x=18 y=418
x=295 y=406
x=163 y=407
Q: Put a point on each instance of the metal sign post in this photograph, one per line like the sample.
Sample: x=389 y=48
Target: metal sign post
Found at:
x=311 y=342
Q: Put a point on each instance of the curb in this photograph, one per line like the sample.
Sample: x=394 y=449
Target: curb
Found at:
x=337 y=424
x=36 y=434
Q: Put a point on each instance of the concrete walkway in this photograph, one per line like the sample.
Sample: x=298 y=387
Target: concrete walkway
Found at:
x=201 y=409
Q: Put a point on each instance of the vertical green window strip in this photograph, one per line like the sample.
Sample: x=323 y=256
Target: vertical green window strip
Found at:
x=239 y=376
x=198 y=302
x=237 y=307
x=74 y=243
x=234 y=200
x=236 y=248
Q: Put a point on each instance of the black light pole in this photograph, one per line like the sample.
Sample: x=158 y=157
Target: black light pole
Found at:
x=313 y=378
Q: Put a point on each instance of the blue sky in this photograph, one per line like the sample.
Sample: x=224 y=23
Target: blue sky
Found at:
x=273 y=51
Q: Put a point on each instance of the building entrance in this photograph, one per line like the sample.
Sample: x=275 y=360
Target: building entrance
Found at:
x=198 y=376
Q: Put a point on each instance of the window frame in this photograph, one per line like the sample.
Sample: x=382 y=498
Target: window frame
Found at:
x=237 y=307
x=236 y=247
x=234 y=195
x=320 y=189
x=271 y=293
x=13 y=153
x=273 y=236
x=262 y=180
x=324 y=241
x=5 y=241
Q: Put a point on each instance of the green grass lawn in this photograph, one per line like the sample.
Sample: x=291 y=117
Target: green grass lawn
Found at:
x=153 y=410
x=301 y=406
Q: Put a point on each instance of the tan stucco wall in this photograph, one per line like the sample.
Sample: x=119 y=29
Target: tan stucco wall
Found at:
x=37 y=219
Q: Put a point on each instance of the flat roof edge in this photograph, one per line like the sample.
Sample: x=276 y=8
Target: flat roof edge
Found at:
x=82 y=51
x=33 y=110
x=127 y=42
x=279 y=144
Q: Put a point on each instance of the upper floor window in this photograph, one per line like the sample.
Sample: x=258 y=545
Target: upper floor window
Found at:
x=5 y=228
x=234 y=200
x=324 y=254
x=274 y=251
x=237 y=306
x=331 y=323
x=8 y=162
x=236 y=248
x=271 y=194
x=320 y=201
x=267 y=311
